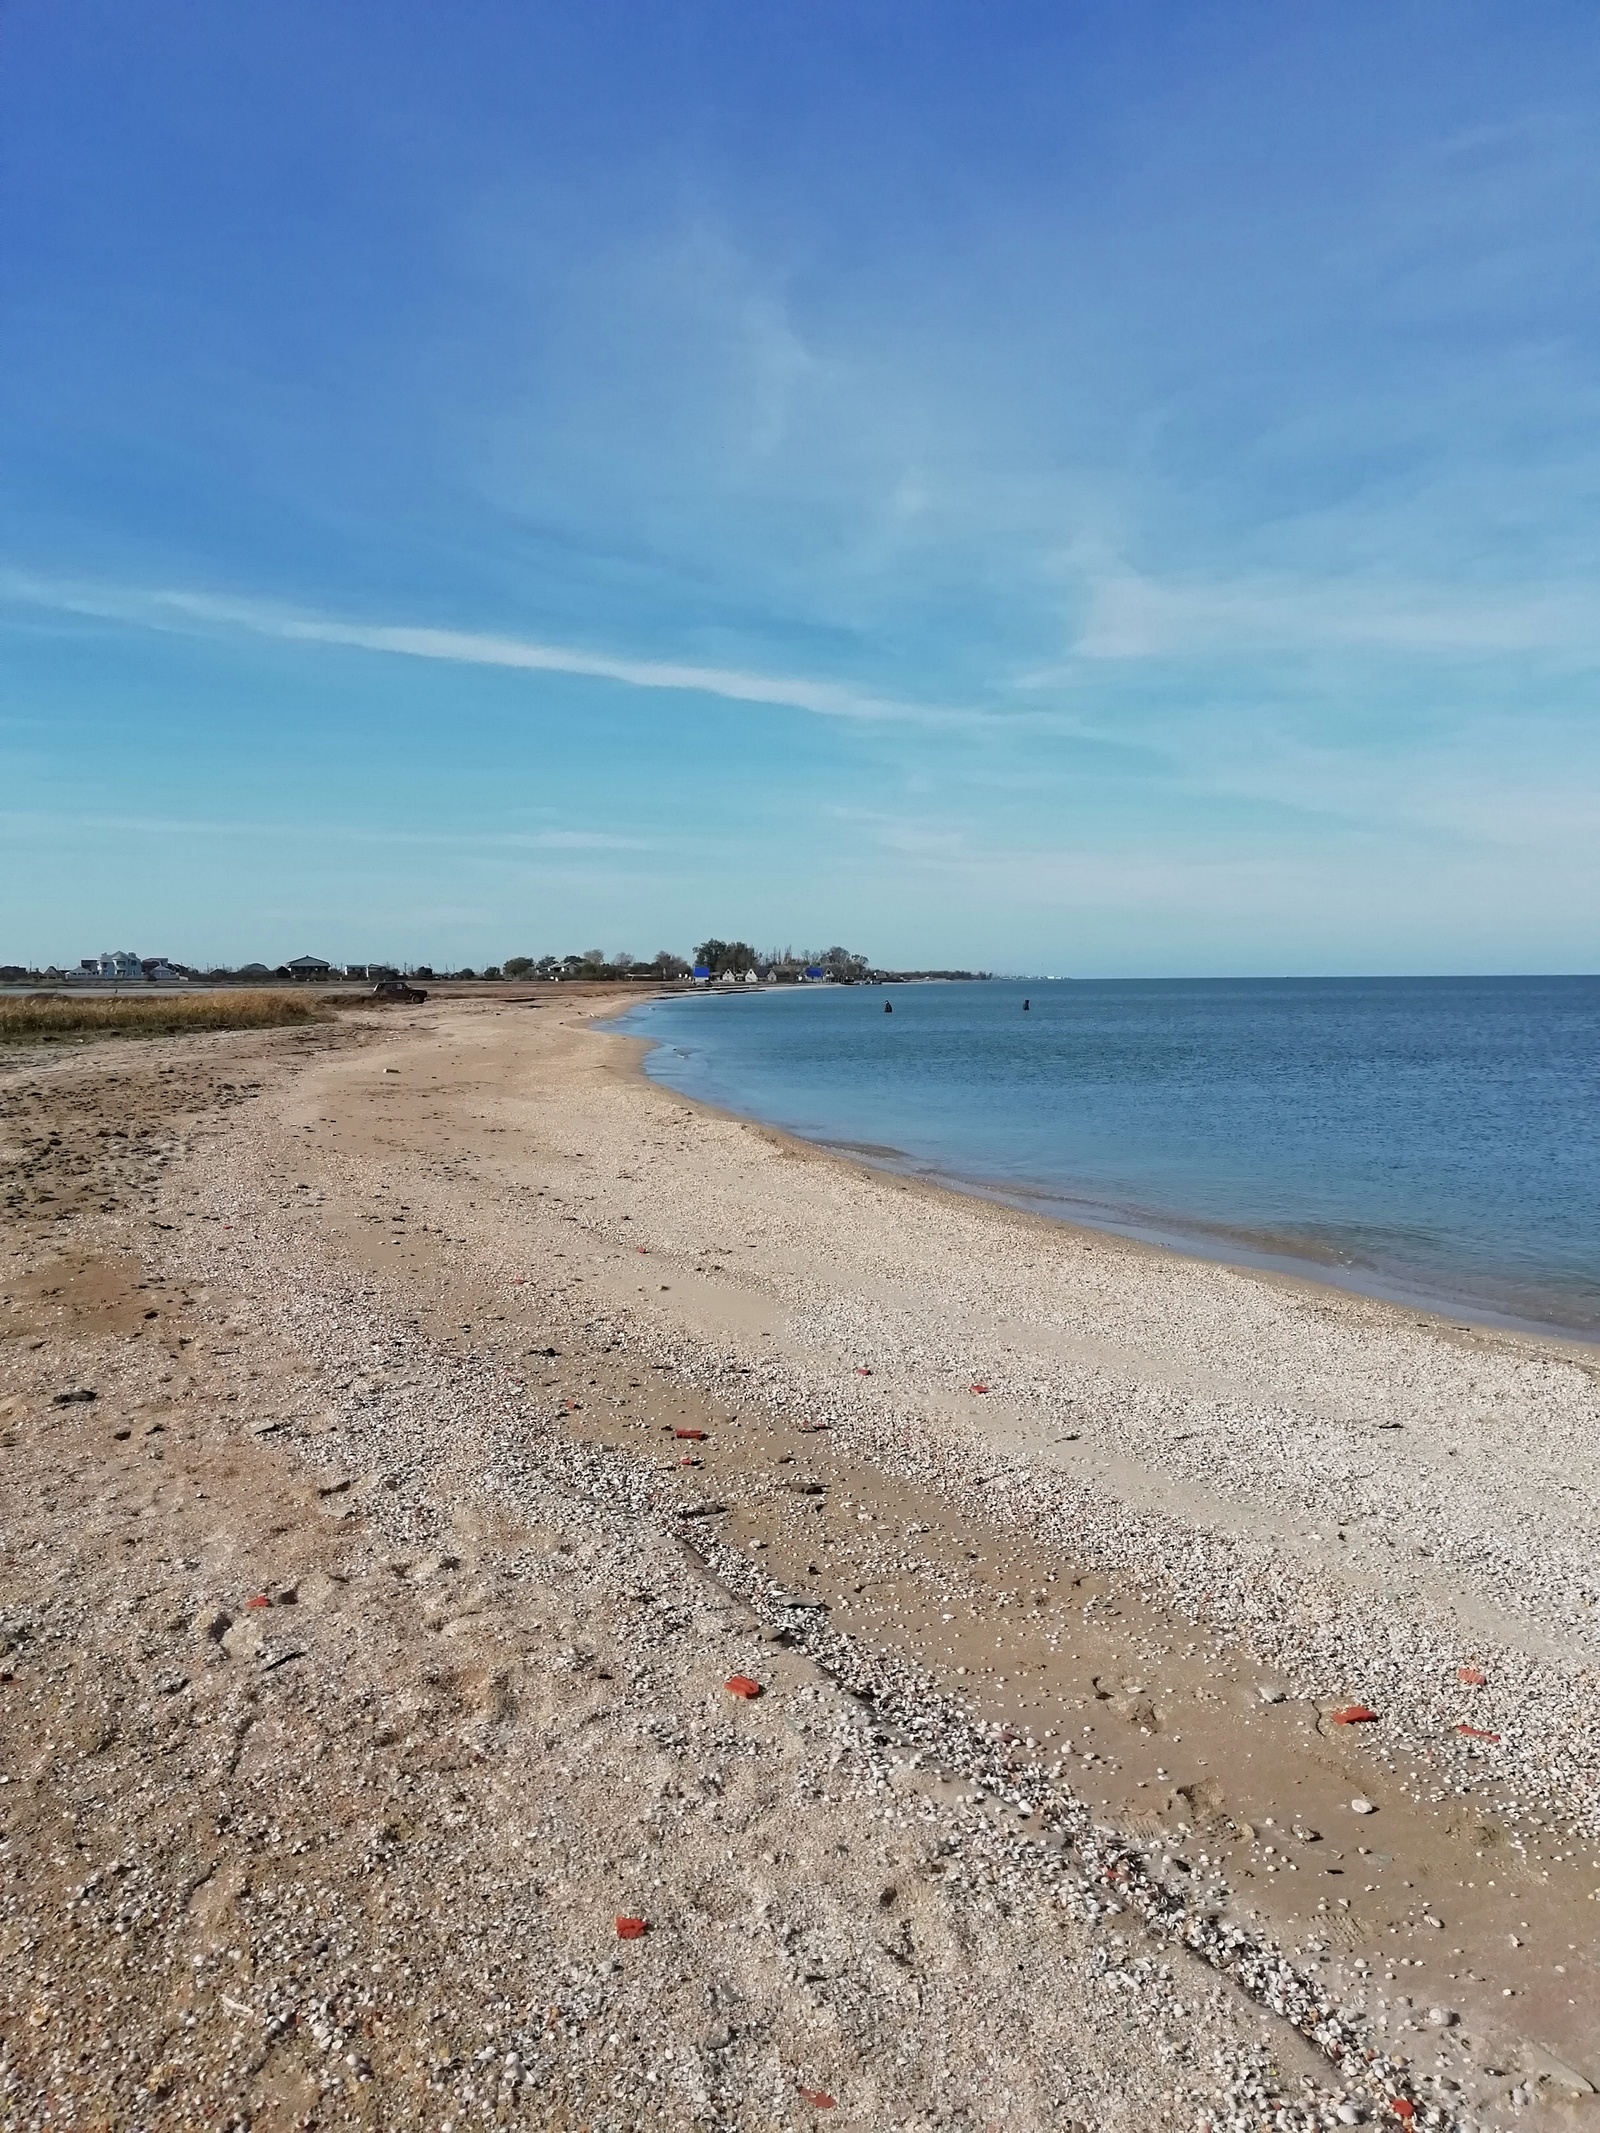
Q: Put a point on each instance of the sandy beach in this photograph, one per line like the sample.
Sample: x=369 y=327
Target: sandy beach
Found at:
x=1176 y=1686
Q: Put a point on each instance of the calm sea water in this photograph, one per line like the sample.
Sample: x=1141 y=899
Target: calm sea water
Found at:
x=1431 y=1140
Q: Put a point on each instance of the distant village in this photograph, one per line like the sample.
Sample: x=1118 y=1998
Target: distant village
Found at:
x=714 y=962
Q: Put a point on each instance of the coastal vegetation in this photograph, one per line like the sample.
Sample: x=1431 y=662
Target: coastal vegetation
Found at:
x=714 y=958
x=63 y=1017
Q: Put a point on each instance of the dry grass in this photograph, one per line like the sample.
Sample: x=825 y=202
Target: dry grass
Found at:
x=59 y=1017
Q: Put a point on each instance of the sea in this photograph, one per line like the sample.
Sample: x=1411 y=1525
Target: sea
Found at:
x=1432 y=1141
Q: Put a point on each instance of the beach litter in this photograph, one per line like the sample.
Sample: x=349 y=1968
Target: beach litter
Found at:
x=977 y=1388
x=690 y=1436
x=1362 y=1807
x=1354 y=1714
x=1472 y=1676
x=819 y=2099
x=743 y=1685
x=632 y=1928
x=1475 y=1732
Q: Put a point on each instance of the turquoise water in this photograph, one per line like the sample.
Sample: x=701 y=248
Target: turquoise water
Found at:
x=1431 y=1140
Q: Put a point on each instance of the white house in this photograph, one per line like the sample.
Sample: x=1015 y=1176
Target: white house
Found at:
x=121 y=964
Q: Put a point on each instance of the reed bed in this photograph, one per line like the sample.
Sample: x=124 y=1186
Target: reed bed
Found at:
x=56 y=1018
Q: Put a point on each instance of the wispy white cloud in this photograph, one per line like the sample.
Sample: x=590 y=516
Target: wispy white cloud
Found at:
x=1130 y=616
x=168 y=609
x=318 y=830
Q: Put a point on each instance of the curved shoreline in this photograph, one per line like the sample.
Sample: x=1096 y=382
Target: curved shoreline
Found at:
x=1307 y=1277
x=525 y=1399
x=1376 y=1505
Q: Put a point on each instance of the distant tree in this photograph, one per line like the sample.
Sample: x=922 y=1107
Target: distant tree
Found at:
x=623 y=959
x=516 y=966
x=668 y=965
x=423 y=970
x=466 y=973
x=547 y=967
x=726 y=958
x=493 y=971
x=843 y=965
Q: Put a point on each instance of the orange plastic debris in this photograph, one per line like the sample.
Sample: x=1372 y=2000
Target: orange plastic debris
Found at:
x=690 y=1436
x=819 y=2099
x=1475 y=1732
x=259 y=1599
x=1471 y=1675
x=1355 y=1714
x=742 y=1685
x=1403 y=2107
x=632 y=1928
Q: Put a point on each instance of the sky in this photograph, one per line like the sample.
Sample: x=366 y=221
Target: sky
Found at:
x=1106 y=488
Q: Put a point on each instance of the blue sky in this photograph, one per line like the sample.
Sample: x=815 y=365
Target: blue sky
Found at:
x=1106 y=488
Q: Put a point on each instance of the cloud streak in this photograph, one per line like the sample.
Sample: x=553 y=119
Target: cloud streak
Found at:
x=549 y=840
x=1135 y=617
x=178 y=610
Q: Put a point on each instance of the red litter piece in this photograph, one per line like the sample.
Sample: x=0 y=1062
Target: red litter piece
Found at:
x=744 y=1685
x=861 y=1372
x=259 y=1599
x=632 y=1928
x=1403 y=2107
x=819 y=2099
x=978 y=1388
x=1475 y=1732
x=690 y=1436
x=1473 y=1676
x=1355 y=1714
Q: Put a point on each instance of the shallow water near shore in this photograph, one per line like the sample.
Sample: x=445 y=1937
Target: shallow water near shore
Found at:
x=1433 y=1141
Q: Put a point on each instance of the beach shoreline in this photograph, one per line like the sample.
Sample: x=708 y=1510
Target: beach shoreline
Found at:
x=1298 y=1271
x=1058 y=1555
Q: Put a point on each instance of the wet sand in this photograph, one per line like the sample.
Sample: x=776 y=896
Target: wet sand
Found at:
x=1105 y=1610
